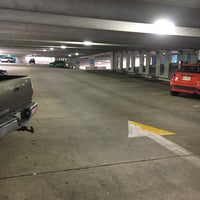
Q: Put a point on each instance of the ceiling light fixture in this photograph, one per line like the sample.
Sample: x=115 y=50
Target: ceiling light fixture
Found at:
x=87 y=43
x=63 y=47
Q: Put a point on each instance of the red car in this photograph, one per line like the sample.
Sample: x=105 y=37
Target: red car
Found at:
x=186 y=80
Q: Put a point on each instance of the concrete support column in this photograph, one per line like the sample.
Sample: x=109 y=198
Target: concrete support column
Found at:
x=20 y=59
x=141 y=62
x=158 y=62
x=148 y=58
x=128 y=56
x=132 y=57
x=121 y=61
x=194 y=57
x=182 y=56
x=112 y=60
x=77 y=63
x=198 y=56
x=117 y=60
x=167 y=62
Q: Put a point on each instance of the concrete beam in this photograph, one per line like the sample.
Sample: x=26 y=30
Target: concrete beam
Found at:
x=88 y=23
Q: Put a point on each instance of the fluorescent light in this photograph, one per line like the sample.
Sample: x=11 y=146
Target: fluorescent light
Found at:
x=51 y=48
x=87 y=43
x=70 y=55
x=76 y=54
x=163 y=26
x=63 y=47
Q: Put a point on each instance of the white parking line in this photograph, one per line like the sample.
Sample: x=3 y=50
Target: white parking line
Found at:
x=137 y=131
x=196 y=106
x=160 y=93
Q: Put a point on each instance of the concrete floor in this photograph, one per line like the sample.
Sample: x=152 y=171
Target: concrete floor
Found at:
x=81 y=151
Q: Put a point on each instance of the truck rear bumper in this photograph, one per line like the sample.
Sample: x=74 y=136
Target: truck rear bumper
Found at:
x=10 y=123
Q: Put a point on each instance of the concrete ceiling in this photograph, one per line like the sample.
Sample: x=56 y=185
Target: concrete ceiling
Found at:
x=29 y=27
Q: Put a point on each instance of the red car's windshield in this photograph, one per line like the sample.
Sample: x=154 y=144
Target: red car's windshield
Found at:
x=190 y=69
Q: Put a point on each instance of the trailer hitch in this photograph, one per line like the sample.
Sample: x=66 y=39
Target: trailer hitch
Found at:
x=26 y=128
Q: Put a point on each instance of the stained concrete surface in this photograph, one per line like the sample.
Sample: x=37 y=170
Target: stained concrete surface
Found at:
x=81 y=149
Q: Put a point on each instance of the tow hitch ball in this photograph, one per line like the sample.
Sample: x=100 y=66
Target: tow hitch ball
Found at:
x=26 y=128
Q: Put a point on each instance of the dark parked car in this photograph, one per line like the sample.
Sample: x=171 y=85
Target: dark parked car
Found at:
x=59 y=63
x=32 y=61
x=3 y=72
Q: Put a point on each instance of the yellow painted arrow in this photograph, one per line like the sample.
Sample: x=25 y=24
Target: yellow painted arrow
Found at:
x=151 y=129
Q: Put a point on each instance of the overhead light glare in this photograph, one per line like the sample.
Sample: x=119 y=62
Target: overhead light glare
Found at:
x=51 y=48
x=76 y=54
x=87 y=43
x=164 y=26
x=63 y=47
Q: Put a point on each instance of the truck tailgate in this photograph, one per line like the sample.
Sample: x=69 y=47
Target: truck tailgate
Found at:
x=15 y=92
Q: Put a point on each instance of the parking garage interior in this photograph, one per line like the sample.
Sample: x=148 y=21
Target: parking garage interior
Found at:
x=107 y=128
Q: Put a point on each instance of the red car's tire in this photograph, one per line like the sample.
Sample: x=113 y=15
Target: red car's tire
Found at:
x=173 y=93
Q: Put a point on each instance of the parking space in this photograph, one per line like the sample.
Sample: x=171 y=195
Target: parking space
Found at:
x=81 y=150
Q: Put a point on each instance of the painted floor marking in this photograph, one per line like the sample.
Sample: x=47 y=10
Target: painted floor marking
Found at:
x=196 y=106
x=140 y=130
x=159 y=93
x=150 y=129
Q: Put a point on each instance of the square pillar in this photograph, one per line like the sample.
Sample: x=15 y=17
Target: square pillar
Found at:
x=148 y=58
x=77 y=63
x=141 y=62
x=182 y=56
x=114 y=60
x=158 y=62
x=167 y=63
x=120 y=59
x=133 y=55
x=194 y=57
x=128 y=56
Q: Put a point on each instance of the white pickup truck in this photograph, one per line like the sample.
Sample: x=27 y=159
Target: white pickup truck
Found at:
x=16 y=106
